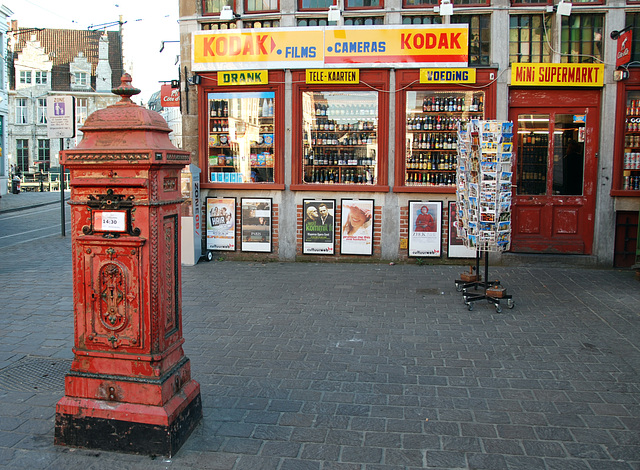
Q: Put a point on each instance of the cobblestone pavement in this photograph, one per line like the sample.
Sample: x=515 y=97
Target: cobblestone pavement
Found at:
x=353 y=366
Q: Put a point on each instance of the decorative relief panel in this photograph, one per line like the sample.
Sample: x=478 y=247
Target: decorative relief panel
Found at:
x=113 y=307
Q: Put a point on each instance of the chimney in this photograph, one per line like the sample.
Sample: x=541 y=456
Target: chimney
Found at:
x=103 y=69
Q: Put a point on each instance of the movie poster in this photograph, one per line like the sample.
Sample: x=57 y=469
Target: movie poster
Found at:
x=456 y=247
x=318 y=227
x=356 y=232
x=256 y=225
x=425 y=229
x=221 y=224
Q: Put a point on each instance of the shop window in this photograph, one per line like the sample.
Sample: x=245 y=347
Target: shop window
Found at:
x=340 y=137
x=431 y=134
x=214 y=7
x=479 y=37
x=261 y=24
x=312 y=22
x=533 y=154
x=42 y=110
x=633 y=20
x=25 y=77
x=420 y=3
x=82 y=110
x=315 y=4
x=41 y=78
x=631 y=163
x=431 y=19
x=528 y=38
x=526 y=3
x=221 y=25
x=44 y=154
x=241 y=143
x=364 y=21
x=22 y=154
x=581 y=38
x=252 y=6
x=363 y=4
x=22 y=114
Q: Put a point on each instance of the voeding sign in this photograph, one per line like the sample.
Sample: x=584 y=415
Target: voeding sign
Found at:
x=294 y=48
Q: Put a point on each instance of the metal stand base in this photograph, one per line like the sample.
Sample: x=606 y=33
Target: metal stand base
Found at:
x=485 y=285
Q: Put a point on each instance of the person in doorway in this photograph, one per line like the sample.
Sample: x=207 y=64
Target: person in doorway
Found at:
x=572 y=169
x=425 y=221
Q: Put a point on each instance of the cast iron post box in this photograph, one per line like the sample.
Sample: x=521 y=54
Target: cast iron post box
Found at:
x=129 y=388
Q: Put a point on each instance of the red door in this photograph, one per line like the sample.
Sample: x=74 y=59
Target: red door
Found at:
x=555 y=170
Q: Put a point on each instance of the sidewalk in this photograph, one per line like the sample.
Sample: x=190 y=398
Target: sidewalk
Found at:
x=14 y=202
x=353 y=366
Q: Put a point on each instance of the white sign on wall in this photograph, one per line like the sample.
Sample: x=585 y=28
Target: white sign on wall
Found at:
x=61 y=116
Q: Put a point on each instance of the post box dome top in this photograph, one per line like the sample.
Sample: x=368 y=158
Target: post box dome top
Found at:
x=125 y=132
x=125 y=114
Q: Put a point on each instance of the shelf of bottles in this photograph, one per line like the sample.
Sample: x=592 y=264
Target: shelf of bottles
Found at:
x=241 y=137
x=340 y=137
x=631 y=163
x=533 y=154
x=431 y=138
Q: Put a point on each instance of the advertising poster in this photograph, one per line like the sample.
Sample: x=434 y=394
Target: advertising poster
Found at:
x=256 y=225
x=356 y=233
x=221 y=224
x=318 y=227
x=425 y=229
x=456 y=247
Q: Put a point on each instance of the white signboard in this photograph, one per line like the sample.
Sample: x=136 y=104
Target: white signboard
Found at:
x=61 y=116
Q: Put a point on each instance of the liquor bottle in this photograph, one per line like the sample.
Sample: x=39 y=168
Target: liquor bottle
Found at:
x=270 y=108
x=214 y=109
x=430 y=104
x=424 y=104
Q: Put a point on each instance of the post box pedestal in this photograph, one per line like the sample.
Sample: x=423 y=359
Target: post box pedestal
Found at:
x=129 y=388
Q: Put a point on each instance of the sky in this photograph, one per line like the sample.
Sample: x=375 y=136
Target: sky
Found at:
x=147 y=24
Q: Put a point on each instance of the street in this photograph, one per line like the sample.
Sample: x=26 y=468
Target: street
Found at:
x=31 y=225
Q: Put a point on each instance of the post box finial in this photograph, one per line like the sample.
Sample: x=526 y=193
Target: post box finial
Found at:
x=125 y=90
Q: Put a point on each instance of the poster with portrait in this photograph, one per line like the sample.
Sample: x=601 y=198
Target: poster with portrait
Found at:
x=256 y=224
x=425 y=229
x=221 y=223
x=356 y=231
x=318 y=227
x=456 y=247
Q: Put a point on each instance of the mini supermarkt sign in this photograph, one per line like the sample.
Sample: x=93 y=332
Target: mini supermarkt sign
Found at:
x=61 y=116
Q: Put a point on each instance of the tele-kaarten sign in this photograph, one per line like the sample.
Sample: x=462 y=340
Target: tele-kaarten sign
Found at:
x=293 y=48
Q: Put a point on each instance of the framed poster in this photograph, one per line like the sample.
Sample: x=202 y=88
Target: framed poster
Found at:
x=256 y=224
x=456 y=247
x=318 y=227
x=425 y=229
x=356 y=233
x=221 y=223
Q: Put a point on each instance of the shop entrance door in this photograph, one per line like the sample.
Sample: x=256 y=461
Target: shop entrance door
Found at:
x=555 y=174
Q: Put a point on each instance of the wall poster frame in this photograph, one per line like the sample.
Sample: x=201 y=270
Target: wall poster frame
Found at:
x=318 y=226
x=455 y=246
x=256 y=218
x=425 y=229
x=356 y=232
x=221 y=223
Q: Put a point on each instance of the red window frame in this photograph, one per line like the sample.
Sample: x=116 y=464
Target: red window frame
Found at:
x=516 y=3
x=301 y=8
x=209 y=85
x=377 y=79
x=377 y=7
x=409 y=79
x=247 y=11
x=216 y=13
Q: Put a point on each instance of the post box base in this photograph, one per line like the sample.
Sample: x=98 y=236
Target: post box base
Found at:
x=129 y=428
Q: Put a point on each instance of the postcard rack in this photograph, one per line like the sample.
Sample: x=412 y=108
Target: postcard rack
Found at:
x=483 y=196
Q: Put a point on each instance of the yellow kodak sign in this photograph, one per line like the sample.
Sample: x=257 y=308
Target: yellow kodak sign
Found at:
x=582 y=75
x=333 y=76
x=245 y=77
x=448 y=75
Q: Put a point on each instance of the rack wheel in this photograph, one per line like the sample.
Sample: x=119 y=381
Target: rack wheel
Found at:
x=498 y=308
x=209 y=256
x=459 y=287
x=510 y=303
x=470 y=306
